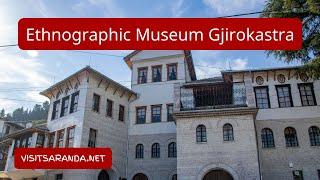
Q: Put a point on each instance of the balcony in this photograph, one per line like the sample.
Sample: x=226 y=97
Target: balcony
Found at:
x=212 y=95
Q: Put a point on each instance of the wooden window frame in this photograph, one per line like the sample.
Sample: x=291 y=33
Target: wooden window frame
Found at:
x=268 y=97
x=140 y=153
x=51 y=135
x=94 y=108
x=168 y=105
x=156 y=106
x=109 y=109
x=289 y=144
x=172 y=151
x=145 y=115
x=64 y=106
x=55 y=110
x=201 y=135
x=290 y=94
x=172 y=64
x=58 y=138
x=121 y=113
x=266 y=141
x=153 y=68
x=313 y=137
x=95 y=138
x=228 y=134
x=155 y=150
x=68 y=136
x=312 y=91
x=138 y=75
x=74 y=102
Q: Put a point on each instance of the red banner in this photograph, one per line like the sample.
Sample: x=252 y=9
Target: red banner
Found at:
x=63 y=158
x=160 y=33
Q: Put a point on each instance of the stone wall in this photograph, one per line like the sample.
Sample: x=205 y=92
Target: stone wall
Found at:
x=275 y=161
x=238 y=157
x=154 y=168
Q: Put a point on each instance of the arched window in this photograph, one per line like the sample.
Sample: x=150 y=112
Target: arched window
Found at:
x=267 y=138
x=172 y=150
x=314 y=135
x=140 y=176
x=155 y=150
x=174 y=177
x=290 y=135
x=103 y=175
x=139 y=151
x=228 y=132
x=201 y=133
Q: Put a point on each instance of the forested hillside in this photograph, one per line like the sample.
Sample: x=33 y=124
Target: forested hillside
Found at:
x=38 y=112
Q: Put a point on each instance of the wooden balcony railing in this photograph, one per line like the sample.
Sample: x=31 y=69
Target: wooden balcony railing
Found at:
x=213 y=96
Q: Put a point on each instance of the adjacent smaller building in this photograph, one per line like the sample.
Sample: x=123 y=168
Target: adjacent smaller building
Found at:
x=30 y=137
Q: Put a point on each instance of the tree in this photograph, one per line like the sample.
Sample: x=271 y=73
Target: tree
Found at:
x=38 y=112
x=308 y=11
x=20 y=114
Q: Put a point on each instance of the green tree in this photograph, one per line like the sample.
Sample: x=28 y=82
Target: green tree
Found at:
x=38 y=112
x=308 y=11
x=20 y=114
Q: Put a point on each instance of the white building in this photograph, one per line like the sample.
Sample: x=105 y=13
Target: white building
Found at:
x=250 y=124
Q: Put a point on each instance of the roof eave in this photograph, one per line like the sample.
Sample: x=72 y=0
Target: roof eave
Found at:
x=47 y=91
x=89 y=69
x=262 y=69
x=187 y=54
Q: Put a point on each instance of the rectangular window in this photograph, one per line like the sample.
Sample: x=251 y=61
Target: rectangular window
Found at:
x=92 y=138
x=297 y=175
x=40 y=140
x=156 y=73
x=65 y=105
x=169 y=112
x=70 y=136
x=96 y=103
x=55 y=110
x=172 y=72
x=59 y=176
x=284 y=96
x=156 y=113
x=60 y=136
x=142 y=75
x=262 y=97
x=109 y=107
x=307 y=94
x=74 y=102
x=51 y=140
x=121 y=113
x=141 y=115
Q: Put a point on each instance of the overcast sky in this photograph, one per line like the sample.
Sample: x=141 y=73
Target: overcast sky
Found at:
x=23 y=74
